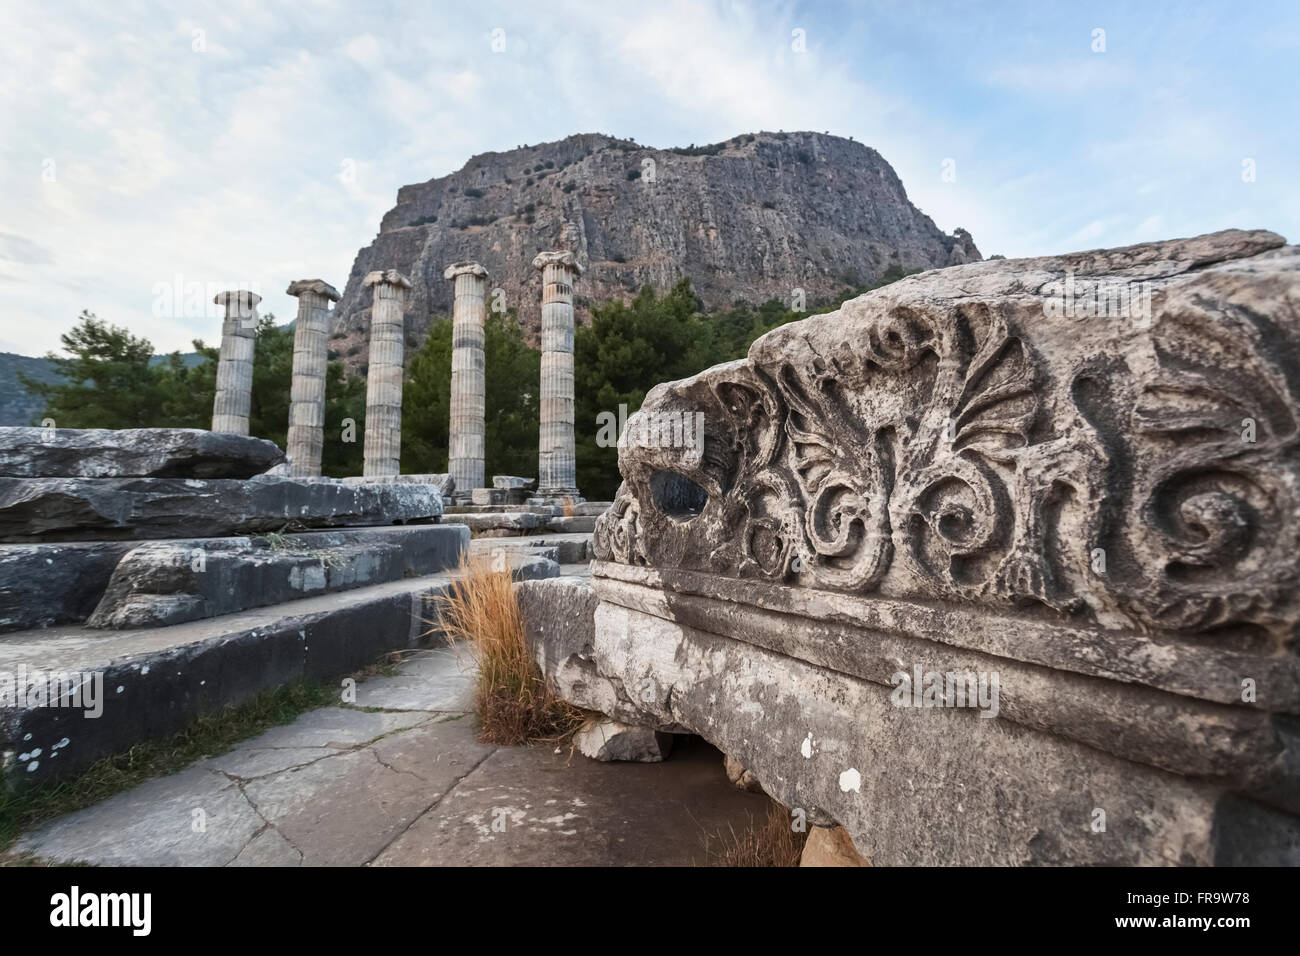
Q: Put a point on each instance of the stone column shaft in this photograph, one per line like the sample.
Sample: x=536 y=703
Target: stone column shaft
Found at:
x=235 y=365
x=383 y=444
x=307 y=390
x=556 y=467
x=467 y=445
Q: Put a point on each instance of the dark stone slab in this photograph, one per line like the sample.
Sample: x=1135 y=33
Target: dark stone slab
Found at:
x=162 y=583
x=54 y=509
x=132 y=453
x=47 y=584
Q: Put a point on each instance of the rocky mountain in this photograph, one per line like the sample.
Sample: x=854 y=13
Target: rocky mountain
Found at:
x=749 y=219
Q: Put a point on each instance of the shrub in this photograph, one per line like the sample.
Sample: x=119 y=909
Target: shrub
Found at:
x=633 y=174
x=769 y=843
x=474 y=193
x=514 y=703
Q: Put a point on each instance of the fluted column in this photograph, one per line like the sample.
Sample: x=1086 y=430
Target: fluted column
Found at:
x=383 y=446
x=235 y=366
x=467 y=444
x=307 y=389
x=556 y=470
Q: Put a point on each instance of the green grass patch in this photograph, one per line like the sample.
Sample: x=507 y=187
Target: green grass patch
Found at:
x=209 y=736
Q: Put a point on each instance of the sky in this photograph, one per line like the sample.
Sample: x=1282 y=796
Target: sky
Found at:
x=150 y=152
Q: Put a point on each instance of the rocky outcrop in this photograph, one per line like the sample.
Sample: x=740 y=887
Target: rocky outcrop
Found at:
x=993 y=565
x=132 y=453
x=752 y=218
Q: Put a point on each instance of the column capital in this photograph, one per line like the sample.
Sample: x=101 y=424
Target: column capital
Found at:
x=315 y=286
x=241 y=298
x=387 y=277
x=565 y=259
x=461 y=268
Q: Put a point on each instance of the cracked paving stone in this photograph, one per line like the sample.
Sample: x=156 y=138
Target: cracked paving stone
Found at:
x=268 y=848
x=153 y=825
x=248 y=762
x=566 y=810
x=336 y=727
x=441 y=680
x=344 y=810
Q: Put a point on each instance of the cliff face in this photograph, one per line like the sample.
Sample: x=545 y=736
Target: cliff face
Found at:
x=752 y=218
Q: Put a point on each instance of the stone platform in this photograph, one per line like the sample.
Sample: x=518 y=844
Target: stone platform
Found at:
x=157 y=680
x=434 y=795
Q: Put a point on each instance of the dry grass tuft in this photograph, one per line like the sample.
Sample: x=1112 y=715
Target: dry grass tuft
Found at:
x=514 y=704
x=770 y=842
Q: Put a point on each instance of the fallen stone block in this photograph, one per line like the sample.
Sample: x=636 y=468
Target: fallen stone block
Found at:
x=511 y=482
x=740 y=778
x=51 y=509
x=164 y=583
x=496 y=523
x=830 y=846
x=994 y=565
x=608 y=740
x=559 y=625
x=444 y=483
x=571 y=524
x=132 y=453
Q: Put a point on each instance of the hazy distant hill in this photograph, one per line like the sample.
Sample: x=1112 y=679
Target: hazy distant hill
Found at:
x=17 y=406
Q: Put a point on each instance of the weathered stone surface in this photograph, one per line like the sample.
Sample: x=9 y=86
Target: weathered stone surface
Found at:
x=52 y=509
x=556 y=464
x=559 y=623
x=488 y=496
x=306 y=434
x=46 y=584
x=830 y=846
x=467 y=432
x=444 y=483
x=1091 y=514
x=163 y=583
x=230 y=406
x=498 y=522
x=740 y=778
x=132 y=453
x=511 y=482
x=571 y=524
x=156 y=681
x=608 y=740
x=383 y=435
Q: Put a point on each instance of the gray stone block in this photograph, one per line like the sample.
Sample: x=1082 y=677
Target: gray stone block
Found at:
x=46 y=584
x=132 y=453
x=163 y=583
x=52 y=509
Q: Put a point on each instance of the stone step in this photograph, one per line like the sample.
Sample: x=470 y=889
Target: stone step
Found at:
x=501 y=523
x=572 y=524
x=46 y=584
x=82 y=509
x=42 y=585
x=116 y=689
x=497 y=523
x=569 y=548
x=170 y=582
